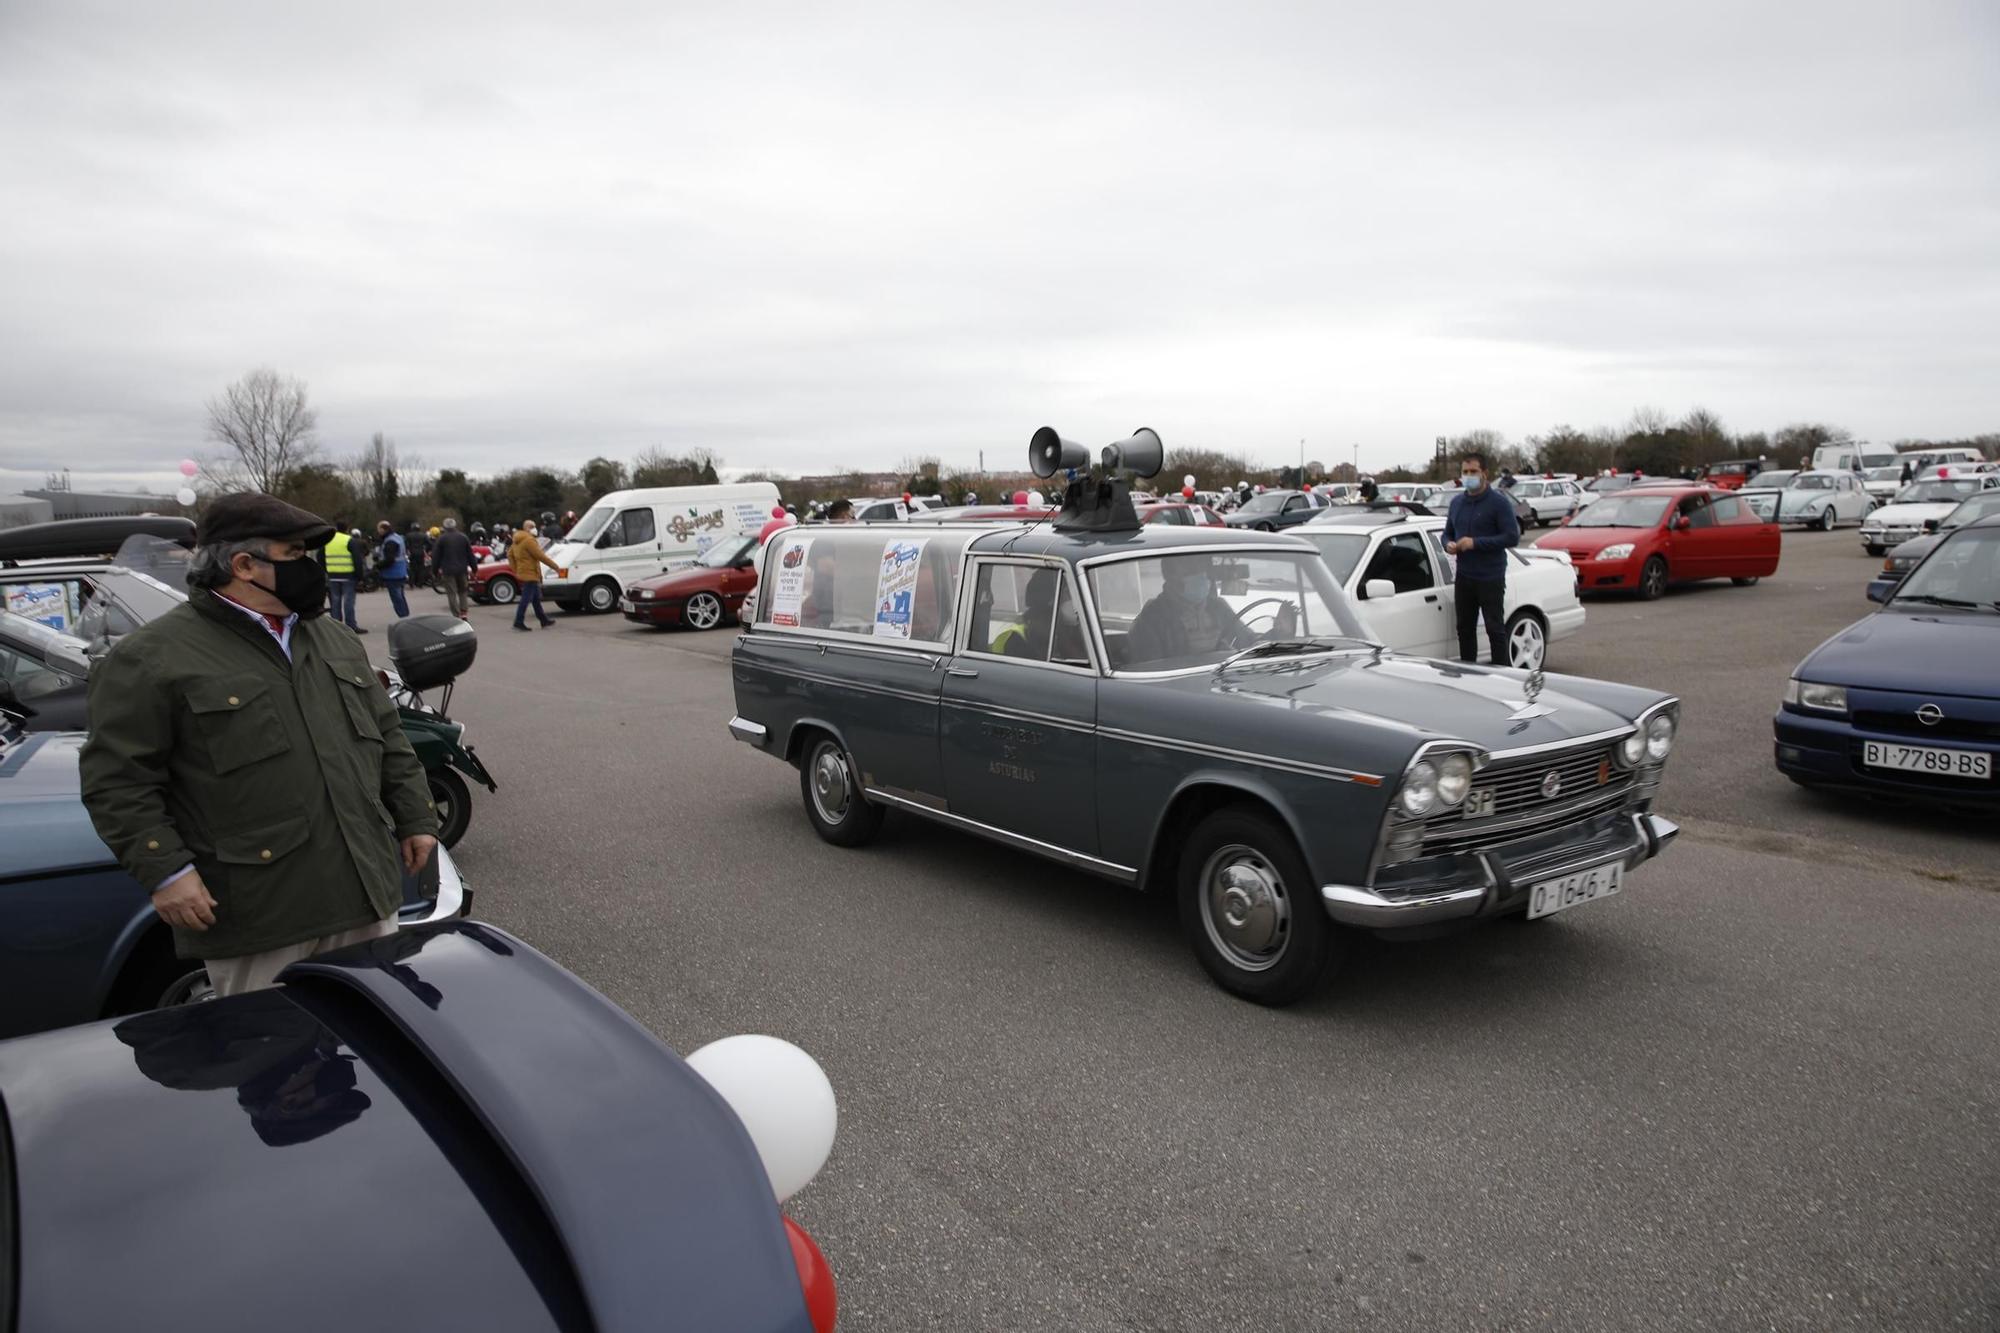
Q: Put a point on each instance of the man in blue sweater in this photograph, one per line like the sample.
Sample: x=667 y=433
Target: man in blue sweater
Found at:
x=1478 y=531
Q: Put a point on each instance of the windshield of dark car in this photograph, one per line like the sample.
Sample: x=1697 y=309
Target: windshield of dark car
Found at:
x=1342 y=551
x=1631 y=511
x=1268 y=503
x=1769 y=481
x=1197 y=608
x=589 y=525
x=1964 y=571
x=724 y=554
x=1936 y=492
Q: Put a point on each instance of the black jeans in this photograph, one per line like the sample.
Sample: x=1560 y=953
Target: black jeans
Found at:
x=1476 y=598
x=531 y=595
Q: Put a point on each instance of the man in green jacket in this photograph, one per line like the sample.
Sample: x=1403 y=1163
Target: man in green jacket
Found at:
x=245 y=765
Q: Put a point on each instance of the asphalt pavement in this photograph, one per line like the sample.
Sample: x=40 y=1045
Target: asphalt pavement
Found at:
x=1756 y=1090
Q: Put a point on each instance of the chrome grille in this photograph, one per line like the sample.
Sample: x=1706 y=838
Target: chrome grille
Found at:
x=1517 y=784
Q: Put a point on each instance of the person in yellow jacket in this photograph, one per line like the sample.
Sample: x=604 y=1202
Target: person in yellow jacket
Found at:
x=342 y=557
x=525 y=558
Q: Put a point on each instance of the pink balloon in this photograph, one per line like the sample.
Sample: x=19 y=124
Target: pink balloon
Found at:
x=777 y=511
x=1020 y=497
x=189 y=467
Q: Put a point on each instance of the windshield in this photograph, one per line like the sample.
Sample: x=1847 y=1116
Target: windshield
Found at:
x=1198 y=608
x=1885 y=474
x=1769 y=481
x=1979 y=506
x=724 y=554
x=1342 y=551
x=1632 y=511
x=589 y=525
x=1935 y=492
x=1606 y=485
x=1267 y=503
x=1964 y=571
x=1809 y=481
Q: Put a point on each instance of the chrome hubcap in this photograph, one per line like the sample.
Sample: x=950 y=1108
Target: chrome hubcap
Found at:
x=189 y=988
x=1244 y=908
x=1526 y=645
x=829 y=784
x=703 y=611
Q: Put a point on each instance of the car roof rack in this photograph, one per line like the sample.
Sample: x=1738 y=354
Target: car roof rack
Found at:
x=82 y=538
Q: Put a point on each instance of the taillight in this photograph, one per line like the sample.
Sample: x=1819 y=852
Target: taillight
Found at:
x=815 y=1278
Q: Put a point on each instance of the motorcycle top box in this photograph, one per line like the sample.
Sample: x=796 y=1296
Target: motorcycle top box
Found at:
x=428 y=651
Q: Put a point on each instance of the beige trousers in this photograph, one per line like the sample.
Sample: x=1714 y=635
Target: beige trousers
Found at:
x=255 y=971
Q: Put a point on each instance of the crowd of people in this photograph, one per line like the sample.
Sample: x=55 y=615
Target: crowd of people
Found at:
x=442 y=556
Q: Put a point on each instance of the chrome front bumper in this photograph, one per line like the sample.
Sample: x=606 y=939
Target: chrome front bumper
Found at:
x=1351 y=905
x=750 y=733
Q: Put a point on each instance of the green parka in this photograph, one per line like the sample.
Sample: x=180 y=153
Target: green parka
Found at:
x=286 y=784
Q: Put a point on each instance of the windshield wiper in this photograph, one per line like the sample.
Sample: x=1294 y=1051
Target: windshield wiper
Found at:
x=1278 y=647
x=1933 y=599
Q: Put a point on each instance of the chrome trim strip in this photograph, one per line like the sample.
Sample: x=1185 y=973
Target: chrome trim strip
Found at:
x=450 y=901
x=750 y=733
x=1305 y=767
x=1352 y=906
x=1082 y=860
x=1022 y=715
x=1548 y=814
x=1594 y=738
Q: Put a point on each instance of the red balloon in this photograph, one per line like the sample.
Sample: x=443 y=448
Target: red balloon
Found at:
x=906 y=497
x=1020 y=497
x=815 y=1278
x=1187 y=492
x=777 y=511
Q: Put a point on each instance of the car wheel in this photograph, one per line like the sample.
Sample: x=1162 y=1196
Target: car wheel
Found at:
x=503 y=590
x=834 y=803
x=155 y=979
x=1527 y=640
x=1876 y=550
x=1653 y=579
x=1744 y=583
x=703 y=611
x=1825 y=520
x=1265 y=527
x=1251 y=910
x=453 y=800
x=600 y=595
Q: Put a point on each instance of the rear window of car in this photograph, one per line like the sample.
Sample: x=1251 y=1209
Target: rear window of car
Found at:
x=885 y=585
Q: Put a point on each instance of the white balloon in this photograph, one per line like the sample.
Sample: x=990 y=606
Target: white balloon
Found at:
x=1188 y=480
x=185 y=495
x=782 y=1097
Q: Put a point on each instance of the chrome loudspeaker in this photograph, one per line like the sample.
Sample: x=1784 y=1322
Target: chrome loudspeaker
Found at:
x=1049 y=453
x=1141 y=453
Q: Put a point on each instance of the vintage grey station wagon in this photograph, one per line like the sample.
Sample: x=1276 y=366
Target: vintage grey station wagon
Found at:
x=1197 y=711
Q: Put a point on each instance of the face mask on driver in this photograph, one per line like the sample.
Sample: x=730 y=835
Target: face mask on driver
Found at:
x=1193 y=588
x=300 y=584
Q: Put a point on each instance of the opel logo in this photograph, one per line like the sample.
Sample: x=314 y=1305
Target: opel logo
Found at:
x=1930 y=715
x=1551 y=784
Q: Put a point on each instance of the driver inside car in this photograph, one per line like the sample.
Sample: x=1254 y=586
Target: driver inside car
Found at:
x=1189 y=618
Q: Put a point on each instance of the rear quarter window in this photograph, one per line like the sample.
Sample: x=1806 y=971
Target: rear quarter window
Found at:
x=894 y=585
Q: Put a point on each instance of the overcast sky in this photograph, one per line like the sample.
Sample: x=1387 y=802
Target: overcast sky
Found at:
x=822 y=236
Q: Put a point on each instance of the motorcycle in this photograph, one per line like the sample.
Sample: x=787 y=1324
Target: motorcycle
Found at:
x=430 y=652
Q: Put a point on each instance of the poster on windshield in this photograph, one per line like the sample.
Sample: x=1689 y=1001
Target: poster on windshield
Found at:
x=896 y=587
x=788 y=589
x=44 y=603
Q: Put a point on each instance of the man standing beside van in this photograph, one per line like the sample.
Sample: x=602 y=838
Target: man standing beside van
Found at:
x=525 y=558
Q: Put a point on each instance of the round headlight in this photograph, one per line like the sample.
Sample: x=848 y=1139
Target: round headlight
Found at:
x=1420 y=790
x=1454 y=778
x=1632 y=749
x=1659 y=737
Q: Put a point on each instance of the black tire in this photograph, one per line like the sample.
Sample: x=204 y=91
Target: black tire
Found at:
x=835 y=807
x=703 y=611
x=454 y=804
x=1745 y=583
x=154 y=979
x=502 y=590
x=600 y=596
x=1653 y=580
x=1516 y=624
x=1825 y=521
x=1265 y=527
x=1250 y=909
x=1876 y=550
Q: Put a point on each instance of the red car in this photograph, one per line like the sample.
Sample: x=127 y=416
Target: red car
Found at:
x=1645 y=537
x=493 y=581
x=700 y=596
x=1180 y=513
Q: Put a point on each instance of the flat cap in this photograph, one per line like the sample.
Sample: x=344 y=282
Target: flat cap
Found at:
x=247 y=514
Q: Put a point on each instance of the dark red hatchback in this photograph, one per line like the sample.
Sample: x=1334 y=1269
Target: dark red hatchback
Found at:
x=700 y=596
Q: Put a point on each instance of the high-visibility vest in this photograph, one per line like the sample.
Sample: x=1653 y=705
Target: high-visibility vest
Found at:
x=340 y=557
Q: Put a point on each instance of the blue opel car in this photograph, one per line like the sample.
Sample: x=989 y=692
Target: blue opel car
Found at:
x=1906 y=702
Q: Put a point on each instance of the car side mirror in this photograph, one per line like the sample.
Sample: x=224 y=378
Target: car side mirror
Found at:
x=1878 y=593
x=1930 y=525
x=1683 y=523
x=1375 y=588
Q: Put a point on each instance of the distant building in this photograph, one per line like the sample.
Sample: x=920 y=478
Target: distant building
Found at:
x=89 y=504
x=18 y=511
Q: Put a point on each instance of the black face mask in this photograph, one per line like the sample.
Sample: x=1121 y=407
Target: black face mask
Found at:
x=300 y=584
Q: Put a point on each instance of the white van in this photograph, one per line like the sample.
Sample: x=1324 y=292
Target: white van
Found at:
x=631 y=535
x=1852 y=456
x=1921 y=458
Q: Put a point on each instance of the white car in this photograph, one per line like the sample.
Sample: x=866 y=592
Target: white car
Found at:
x=1882 y=483
x=1394 y=566
x=1823 y=498
x=877 y=509
x=1761 y=492
x=1918 y=503
x=1552 y=501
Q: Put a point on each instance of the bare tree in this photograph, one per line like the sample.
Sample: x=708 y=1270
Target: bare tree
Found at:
x=266 y=422
x=377 y=473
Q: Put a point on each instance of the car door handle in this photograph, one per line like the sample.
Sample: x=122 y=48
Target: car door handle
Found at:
x=966 y=672
x=1430 y=597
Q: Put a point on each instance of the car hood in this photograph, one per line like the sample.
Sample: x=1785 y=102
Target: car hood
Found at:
x=1424 y=698
x=1589 y=540
x=679 y=580
x=1911 y=648
x=44 y=828
x=1910 y=515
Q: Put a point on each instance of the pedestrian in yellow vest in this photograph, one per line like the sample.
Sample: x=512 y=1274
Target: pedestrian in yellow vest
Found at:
x=343 y=559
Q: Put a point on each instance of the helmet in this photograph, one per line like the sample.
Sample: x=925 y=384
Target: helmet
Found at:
x=434 y=530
